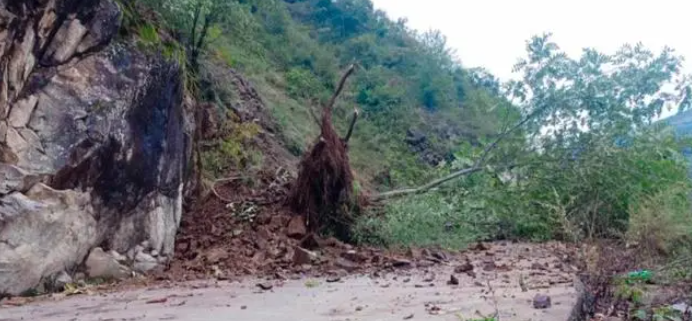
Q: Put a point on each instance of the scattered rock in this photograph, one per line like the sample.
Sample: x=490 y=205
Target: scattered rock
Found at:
x=100 y=264
x=118 y=257
x=464 y=268
x=541 y=301
x=401 y=263
x=453 y=280
x=480 y=247
x=346 y=264
x=310 y=242
x=144 y=262
x=296 y=227
x=333 y=279
x=414 y=253
x=302 y=256
x=680 y=307
x=353 y=255
x=160 y=300
x=359 y=308
x=440 y=255
x=409 y=317
x=243 y=307
x=266 y=286
x=489 y=265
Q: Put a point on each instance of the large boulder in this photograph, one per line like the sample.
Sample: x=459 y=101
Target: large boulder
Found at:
x=94 y=140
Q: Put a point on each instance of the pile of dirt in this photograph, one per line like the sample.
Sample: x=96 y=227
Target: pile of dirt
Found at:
x=250 y=231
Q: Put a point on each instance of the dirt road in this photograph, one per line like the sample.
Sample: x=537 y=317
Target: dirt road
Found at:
x=506 y=280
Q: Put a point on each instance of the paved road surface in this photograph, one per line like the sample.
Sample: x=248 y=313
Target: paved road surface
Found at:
x=402 y=295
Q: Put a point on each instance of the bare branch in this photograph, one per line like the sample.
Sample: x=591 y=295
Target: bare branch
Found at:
x=350 y=127
x=340 y=87
x=426 y=187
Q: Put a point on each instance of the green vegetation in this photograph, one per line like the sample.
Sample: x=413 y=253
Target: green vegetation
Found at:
x=568 y=151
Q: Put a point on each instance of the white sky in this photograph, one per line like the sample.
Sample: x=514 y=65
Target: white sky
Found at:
x=493 y=33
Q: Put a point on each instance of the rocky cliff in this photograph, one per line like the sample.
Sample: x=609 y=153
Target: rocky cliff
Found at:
x=94 y=141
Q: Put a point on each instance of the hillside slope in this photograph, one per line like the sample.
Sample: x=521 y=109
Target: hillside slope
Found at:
x=418 y=104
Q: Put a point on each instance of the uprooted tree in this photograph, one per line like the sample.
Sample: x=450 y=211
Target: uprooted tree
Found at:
x=323 y=193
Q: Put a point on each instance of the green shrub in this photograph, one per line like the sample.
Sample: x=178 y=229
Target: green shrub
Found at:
x=661 y=223
x=233 y=152
x=302 y=84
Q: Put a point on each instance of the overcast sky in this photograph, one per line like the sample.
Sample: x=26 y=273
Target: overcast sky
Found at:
x=492 y=33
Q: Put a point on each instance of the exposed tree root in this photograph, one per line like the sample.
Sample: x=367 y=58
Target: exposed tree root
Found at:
x=322 y=193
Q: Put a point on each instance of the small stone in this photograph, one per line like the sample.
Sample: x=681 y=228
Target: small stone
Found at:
x=302 y=256
x=346 y=264
x=144 y=262
x=333 y=279
x=154 y=253
x=354 y=256
x=359 y=308
x=464 y=268
x=243 y=307
x=541 y=301
x=131 y=254
x=215 y=255
x=453 y=280
x=266 y=286
x=489 y=265
x=296 y=227
x=440 y=255
x=424 y=264
x=414 y=253
x=100 y=264
x=119 y=257
x=409 y=317
x=537 y=266
x=429 y=277
x=401 y=263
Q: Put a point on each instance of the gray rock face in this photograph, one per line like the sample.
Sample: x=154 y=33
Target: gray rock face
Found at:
x=94 y=140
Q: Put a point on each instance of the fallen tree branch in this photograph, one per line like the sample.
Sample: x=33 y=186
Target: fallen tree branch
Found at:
x=350 y=126
x=435 y=183
x=426 y=187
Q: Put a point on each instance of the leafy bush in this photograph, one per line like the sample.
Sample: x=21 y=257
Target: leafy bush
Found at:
x=607 y=190
x=424 y=220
